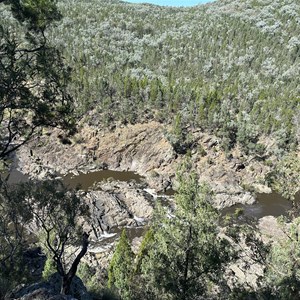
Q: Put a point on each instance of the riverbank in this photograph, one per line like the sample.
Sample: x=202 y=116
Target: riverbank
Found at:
x=137 y=162
x=144 y=149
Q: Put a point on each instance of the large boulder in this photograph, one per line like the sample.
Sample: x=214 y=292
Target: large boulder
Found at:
x=114 y=205
x=50 y=290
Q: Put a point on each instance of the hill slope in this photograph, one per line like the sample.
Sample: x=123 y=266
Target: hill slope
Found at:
x=231 y=67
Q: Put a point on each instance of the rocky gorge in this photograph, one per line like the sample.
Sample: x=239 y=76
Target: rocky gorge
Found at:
x=128 y=201
x=145 y=149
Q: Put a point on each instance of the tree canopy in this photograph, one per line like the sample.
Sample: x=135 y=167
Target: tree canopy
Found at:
x=121 y=268
x=55 y=215
x=34 y=94
x=186 y=255
x=34 y=79
x=55 y=212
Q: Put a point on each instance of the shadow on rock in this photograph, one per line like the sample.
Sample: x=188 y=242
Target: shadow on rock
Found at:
x=50 y=290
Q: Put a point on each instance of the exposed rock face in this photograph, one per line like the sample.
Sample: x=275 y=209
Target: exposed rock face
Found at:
x=143 y=148
x=225 y=198
x=50 y=291
x=140 y=148
x=42 y=293
x=270 y=229
x=117 y=204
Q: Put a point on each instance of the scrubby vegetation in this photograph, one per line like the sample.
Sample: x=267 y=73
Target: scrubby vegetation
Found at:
x=229 y=68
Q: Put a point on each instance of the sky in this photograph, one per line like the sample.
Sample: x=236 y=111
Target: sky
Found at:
x=171 y=2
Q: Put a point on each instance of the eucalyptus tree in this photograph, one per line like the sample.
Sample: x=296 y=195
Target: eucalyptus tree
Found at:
x=34 y=79
x=13 y=219
x=33 y=94
x=56 y=214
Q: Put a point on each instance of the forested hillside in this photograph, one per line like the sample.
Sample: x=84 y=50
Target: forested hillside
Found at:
x=229 y=66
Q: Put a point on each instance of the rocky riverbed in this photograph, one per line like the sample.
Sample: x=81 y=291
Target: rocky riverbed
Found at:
x=145 y=150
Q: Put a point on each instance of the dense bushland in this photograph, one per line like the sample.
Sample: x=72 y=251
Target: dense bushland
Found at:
x=230 y=67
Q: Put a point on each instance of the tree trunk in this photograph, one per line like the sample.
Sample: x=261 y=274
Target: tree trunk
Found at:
x=66 y=285
x=67 y=278
x=186 y=265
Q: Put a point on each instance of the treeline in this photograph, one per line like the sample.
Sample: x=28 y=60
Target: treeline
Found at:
x=223 y=67
x=230 y=67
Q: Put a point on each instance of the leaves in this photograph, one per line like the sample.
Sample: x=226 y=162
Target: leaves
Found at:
x=38 y=14
x=33 y=83
x=282 y=272
x=208 y=64
x=185 y=253
x=120 y=269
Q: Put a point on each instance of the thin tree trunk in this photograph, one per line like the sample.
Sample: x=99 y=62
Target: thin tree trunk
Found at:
x=66 y=285
x=67 y=278
x=186 y=265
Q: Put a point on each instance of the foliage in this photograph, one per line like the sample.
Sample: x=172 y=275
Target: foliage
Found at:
x=284 y=178
x=224 y=66
x=33 y=83
x=33 y=94
x=49 y=268
x=121 y=268
x=55 y=212
x=148 y=239
x=14 y=217
x=229 y=67
x=88 y=275
x=178 y=136
x=186 y=255
x=282 y=274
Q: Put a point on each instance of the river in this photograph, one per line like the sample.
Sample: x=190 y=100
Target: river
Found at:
x=86 y=180
x=267 y=204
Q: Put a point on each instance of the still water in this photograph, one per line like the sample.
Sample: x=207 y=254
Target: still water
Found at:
x=271 y=204
x=85 y=181
x=267 y=204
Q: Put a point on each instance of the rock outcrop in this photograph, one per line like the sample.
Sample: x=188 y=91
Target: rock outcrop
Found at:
x=144 y=148
x=115 y=205
x=50 y=290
